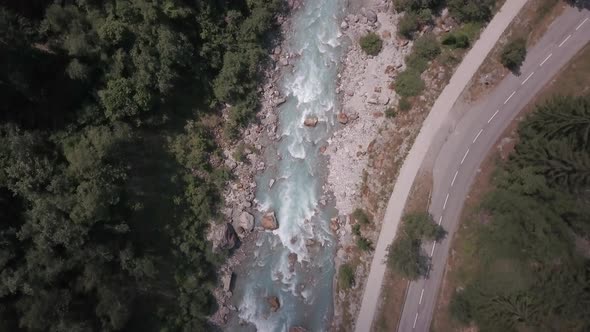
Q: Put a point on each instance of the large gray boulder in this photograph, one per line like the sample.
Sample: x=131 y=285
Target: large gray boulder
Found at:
x=246 y=221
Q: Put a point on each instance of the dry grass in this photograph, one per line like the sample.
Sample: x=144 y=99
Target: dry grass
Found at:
x=573 y=80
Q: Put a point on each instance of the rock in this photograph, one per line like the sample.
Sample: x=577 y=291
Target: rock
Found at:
x=280 y=101
x=277 y=50
x=284 y=61
x=334 y=226
x=271 y=182
x=311 y=121
x=269 y=221
x=377 y=89
x=230 y=237
x=274 y=303
x=294 y=4
x=246 y=221
x=292 y=260
x=377 y=114
x=297 y=329
x=353 y=116
x=342 y=118
x=384 y=100
x=344 y=25
x=226 y=280
x=371 y=16
x=386 y=34
x=373 y=100
x=349 y=93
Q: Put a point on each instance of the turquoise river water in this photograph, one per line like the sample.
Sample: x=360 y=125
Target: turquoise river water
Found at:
x=305 y=292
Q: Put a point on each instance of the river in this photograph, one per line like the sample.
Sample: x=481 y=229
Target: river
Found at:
x=304 y=289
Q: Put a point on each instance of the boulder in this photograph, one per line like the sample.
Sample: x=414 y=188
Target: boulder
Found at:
x=274 y=303
x=226 y=280
x=292 y=261
x=344 y=25
x=230 y=237
x=334 y=226
x=311 y=121
x=297 y=329
x=342 y=118
x=246 y=221
x=269 y=221
x=371 y=16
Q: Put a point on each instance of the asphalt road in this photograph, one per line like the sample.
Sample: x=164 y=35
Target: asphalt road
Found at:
x=438 y=116
x=473 y=136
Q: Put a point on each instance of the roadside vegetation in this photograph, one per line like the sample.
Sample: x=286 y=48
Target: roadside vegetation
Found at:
x=406 y=256
x=513 y=54
x=109 y=174
x=530 y=267
x=371 y=43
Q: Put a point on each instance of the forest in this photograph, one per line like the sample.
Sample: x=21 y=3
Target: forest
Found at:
x=532 y=249
x=109 y=174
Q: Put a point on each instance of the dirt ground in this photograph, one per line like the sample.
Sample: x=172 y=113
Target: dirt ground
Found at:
x=573 y=80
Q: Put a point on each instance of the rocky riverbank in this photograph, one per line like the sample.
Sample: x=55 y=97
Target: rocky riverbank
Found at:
x=245 y=160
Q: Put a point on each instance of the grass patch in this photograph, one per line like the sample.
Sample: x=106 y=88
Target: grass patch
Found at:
x=346 y=276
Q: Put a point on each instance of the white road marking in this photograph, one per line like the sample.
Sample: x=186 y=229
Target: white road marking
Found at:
x=421 y=294
x=579 y=26
x=446 y=199
x=523 y=82
x=563 y=42
x=507 y=99
x=464 y=156
x=547 y=58
x=477 y=136
x=454 y=178
x=439 y=220
x=415 y=320
x=432 y=251
x=493 y=116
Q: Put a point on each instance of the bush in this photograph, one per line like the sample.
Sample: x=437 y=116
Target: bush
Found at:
x=409 y=83
x=404 y=104
x=240 y=153
x=427 y=47
x=346 y=276
x=361 y=216
x=356 y=229
x=390 y=112
x=407 y=25
x=461 y=308
x=513 y=54
x=371 y=43
x=471 y=10
x=456 y=40
x=364 y=244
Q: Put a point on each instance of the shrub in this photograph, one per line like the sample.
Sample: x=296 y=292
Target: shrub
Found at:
x=240 y=153
x=364 y=244
x=456 y=40
x=361 y=216
x=513 y=54
x=346 y=276
x=404 y=104
x=371 y=43
x=390 y=112
x=356 y=229
x=409 y=83
x=461 y=308
x=470 y=10
x=407 y=25
x=427 y=47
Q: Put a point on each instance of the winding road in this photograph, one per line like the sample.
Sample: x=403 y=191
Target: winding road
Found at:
x=473 y=136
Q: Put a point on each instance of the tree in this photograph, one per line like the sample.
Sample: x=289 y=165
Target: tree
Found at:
x=513 y=54
x=470 y=10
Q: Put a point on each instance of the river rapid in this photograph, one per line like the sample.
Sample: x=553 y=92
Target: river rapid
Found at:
x=304 y=287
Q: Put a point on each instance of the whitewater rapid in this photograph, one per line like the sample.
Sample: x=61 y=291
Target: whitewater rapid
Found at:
x=305 y=289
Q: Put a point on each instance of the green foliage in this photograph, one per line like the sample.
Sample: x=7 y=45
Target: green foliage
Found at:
x=346 y=276
x=404 y=104
x=409 y=83
x=356 y=229
x=108 y=180
x=471 y=10
x=513 y=54
x=405 y=253
x=408 y=25
x=456 y=40
x=240 y=153
x=426 y=48
x=390 y=112
x=361 y=216
x=371 y=43
x=364 y=244
x=530 y=274
x=415 y=5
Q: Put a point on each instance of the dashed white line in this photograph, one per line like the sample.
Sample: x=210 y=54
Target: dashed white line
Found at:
x=563 y=42
x=493 y=116
x=579 y=26
x=432 y=251
x=464 y=156
x=547 y=58
x=454 y=178
x=439 y=220
x=523 y=82
x=446 y=199
x=421 y=295
x=507 y=99
x=477 y=136
x=415 y=320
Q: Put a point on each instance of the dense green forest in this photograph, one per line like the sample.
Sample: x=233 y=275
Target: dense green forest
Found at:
x=109 y=174
x=532 y=257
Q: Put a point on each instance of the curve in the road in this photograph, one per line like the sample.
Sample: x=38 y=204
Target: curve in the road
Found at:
x=563 y=40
